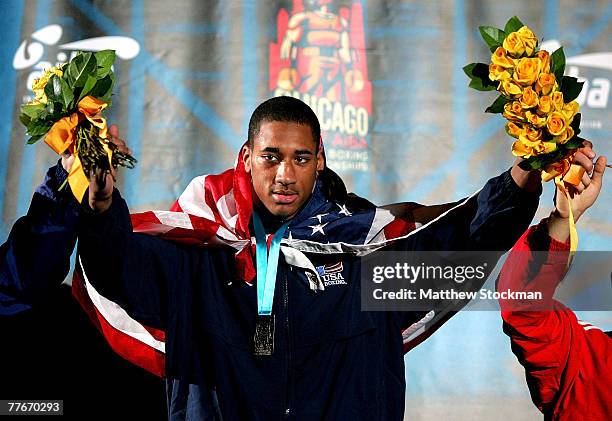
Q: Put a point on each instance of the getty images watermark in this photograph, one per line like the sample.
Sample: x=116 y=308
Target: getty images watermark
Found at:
x=425 y=281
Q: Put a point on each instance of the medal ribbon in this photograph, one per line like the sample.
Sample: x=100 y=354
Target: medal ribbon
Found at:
x=266 y=265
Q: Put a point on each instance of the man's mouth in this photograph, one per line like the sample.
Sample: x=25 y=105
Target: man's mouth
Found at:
x=284 y=197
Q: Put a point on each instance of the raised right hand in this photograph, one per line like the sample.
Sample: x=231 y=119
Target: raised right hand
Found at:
x=101 y=183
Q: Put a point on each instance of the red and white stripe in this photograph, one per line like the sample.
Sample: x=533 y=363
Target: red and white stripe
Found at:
x=137 y=343
x=587 y=326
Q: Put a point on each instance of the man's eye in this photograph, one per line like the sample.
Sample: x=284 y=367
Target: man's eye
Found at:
x=270 y=158
x=301 y=160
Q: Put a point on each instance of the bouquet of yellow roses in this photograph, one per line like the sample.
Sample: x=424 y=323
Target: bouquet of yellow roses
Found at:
x=68 y=112
x=535 y=97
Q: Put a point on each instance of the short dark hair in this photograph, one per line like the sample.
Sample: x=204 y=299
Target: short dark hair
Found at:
x=286 y=109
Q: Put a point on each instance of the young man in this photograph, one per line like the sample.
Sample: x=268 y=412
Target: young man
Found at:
x=567 y=362
x=287 y=345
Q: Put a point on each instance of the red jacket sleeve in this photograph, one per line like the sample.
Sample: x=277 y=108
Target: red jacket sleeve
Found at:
x=566 y=361
x=540 y=330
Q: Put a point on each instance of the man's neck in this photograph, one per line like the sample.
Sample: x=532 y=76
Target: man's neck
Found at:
x=270 y=222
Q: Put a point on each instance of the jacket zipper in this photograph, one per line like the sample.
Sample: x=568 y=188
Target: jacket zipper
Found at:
x=287 y=406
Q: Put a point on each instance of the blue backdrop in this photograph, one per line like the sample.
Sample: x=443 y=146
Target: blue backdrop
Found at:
x=407 y=127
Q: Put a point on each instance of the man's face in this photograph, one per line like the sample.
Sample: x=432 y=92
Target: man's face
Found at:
x=283 y=166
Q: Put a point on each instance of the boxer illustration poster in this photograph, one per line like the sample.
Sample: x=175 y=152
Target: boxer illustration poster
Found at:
x=319 y=57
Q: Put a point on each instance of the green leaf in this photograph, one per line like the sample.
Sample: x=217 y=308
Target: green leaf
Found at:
x=557 y=60
x=492 y=36
x=32 y=110
x=541 y=161
x=44 y=115
x=105 y=60
x=479 y=75
x=479 y=86
x=34 y=139
x=67 y=94
x=104 y=88
x=89 y=85
x=498 y=105
x=53 y=89
x=571 y=88
x=574 y=143
x=53 y=111
x=69 y=71
x=57 y=86
x=83 y=65
x=38 y=128
x=575 y=124
x=513 y=25
x=25 y=119
x=527 y=165
x=50 y=108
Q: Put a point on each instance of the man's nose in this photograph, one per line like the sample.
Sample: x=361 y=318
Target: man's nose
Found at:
x=286 y=173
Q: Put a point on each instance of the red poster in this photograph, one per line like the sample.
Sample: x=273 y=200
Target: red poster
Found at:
x=319 y=57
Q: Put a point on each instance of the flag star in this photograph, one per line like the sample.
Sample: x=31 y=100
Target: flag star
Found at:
x=318 y=228
x=344 y=210
x=319 y=216
x=290 y=236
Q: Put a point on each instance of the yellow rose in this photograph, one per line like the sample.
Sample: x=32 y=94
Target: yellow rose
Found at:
x=544 y=57
x=522 y=150
x=533 y=134
x=535 y=119
x=500 y=58
x=510 y=89
x=38 y=87
x=527 y=71
x=497 y=72
x=570 y=110
x=546 y=147
x=556 y=123
x=514 y=129
x=514 y=45
x=530 y=136
x=546 y=83
x=565 y=136
x=514 y=112
x=58 y=70
x=557 y=100
x=527 y=150
x=40 y=83
x=529 y=40
x=529 y=99
x=545 y=105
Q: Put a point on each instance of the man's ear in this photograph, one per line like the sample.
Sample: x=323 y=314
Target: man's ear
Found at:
x=246 y=158
x=320 y=160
